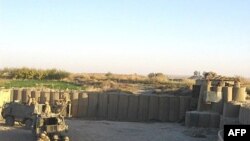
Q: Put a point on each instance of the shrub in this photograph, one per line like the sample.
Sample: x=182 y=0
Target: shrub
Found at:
x=28 y=73
x=157 y=77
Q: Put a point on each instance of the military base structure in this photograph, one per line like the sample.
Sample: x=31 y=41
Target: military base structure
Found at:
x=114 y=106
x=219 y=103
x=212 y=104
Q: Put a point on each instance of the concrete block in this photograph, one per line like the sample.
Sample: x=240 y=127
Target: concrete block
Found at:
x=164 y=108
x=133 y=108
x=102 y=106
x=153 y=113
x=123 y=107
x=113 y=100
x=143 y=107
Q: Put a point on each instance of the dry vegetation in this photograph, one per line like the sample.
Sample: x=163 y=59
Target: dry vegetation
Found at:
x=132 y=83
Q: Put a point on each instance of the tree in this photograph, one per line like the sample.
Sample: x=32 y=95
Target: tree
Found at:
x=197 y=73
x=209 y=75
x=158 y=77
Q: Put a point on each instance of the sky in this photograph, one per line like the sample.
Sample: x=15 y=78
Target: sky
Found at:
x=127 y=36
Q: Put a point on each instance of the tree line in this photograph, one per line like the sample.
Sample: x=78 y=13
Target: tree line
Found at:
x=29 y=73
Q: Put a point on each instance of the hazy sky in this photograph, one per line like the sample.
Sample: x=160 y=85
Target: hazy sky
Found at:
x=127 y=36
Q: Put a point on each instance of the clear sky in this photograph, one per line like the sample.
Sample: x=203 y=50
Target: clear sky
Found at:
x=127 y=36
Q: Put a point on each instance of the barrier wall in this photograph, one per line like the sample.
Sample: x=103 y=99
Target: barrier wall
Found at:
x=5 y=96
x=164 y=108
x=202 y=119
x=114 y=106
x=133 y=107
x=153 y=111
x=82 y=109
x=123 y=107
x=244 y=116
x=102 y=111
x=222 y=105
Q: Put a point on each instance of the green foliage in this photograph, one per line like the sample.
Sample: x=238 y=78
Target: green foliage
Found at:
x=37 y=74
x=53 y=84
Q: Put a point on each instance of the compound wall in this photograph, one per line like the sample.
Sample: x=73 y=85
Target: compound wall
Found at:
x=115 y=106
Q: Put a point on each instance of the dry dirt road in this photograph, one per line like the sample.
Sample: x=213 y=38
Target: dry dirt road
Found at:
x=90 y=130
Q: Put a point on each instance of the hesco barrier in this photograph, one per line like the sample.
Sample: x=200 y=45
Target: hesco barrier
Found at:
x=202 y=119
x=239 y=94
x=244 y=114
x=114 y=105
x=221 y=135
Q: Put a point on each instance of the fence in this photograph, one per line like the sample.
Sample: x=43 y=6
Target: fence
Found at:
x=114 y=105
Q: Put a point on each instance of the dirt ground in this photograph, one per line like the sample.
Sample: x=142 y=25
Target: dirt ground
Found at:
x=90 y=130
